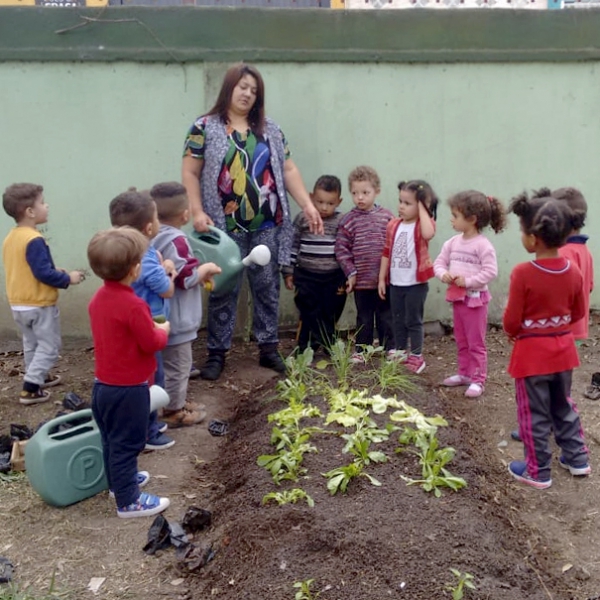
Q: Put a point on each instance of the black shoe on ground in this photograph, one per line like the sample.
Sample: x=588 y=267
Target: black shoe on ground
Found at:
x=272 y=360
x=515 y=435
x=213 y=367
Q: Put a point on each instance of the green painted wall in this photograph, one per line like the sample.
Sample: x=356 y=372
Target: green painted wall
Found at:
x=88 y=130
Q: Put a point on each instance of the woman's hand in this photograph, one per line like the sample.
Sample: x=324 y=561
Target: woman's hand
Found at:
x=313 y=218
x=295 y=186
x=202 y=221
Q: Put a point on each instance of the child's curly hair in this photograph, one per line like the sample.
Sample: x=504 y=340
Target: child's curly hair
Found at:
x=544 y=216
x=486 y=209
x=364 y=173
x=423 y=193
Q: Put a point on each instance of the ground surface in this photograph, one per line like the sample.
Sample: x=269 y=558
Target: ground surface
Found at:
x=393 y=541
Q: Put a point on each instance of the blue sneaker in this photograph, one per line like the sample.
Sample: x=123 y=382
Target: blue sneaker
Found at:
x=162 y=427
x=518 y=469
x=581 y=471
x=146 y=505
x=143 y=477
x=160 y=442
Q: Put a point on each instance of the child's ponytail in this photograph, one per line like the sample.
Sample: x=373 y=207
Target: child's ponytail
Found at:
x=498 y=214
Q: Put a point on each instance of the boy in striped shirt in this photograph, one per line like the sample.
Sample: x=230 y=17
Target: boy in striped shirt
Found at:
x=314 y=274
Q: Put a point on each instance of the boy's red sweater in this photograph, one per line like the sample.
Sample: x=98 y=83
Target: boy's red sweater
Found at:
x=125 y=336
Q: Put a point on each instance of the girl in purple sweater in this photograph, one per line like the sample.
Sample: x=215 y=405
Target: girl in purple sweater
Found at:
x=467 y=263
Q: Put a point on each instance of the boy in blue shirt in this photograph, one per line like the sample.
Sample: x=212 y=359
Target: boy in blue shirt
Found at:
x=154 y=285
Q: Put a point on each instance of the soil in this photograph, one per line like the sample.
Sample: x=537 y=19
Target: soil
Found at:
x=372 y=543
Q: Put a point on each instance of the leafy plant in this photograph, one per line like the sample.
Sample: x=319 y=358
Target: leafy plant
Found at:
x=304 y=592
x=288 y=497
x=286 y=465
x=465 y=580
x=389 y=375
x=340 y=477
x=433 y=460
x=340 y=353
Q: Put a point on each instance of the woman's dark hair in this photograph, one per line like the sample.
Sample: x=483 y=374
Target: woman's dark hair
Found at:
x=256 y=117
x=423 y=193
x=486 y=209
x=547 y=218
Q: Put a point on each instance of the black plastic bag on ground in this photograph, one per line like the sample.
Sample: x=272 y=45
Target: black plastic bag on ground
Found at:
x=6 y=570
x=163 y=534
x=20 y=432
x=196 y=519
x=74 y=402
x=192 y=557
x=5 y=465
x=159 y=535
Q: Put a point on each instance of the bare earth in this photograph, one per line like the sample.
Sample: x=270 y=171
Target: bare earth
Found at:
x=370 y=544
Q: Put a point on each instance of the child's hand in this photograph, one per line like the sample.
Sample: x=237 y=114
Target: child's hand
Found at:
x=206 y=272
x=166 y=326
x=382 y=288
x=350 y=283
x=447 y=278
x=459 y=280
x=289 y=282
x=169 y=267
x=76 y=277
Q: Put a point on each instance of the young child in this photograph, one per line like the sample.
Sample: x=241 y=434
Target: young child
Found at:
x=32 y=284
x=154 y=285
x=406 y=268
x=467 y=263
x=577 y=252
x=358 y=248
x=186 y=305
x=315 y=274
x=546 y=295
x=125 y=342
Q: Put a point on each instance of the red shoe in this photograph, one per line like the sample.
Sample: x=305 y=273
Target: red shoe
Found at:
x=415 y=364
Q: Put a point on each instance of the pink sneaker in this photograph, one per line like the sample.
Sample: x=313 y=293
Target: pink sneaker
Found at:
x=415 y=364
x=358 y=358
x=474 y=390
x=456 y=381
x=396 y=355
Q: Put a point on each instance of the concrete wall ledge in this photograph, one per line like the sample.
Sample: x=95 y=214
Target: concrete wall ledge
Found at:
x=193 y=34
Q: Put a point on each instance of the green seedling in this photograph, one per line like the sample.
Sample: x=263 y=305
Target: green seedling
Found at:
x=288 y=497
x=340 y=353
x=359 y=442
x=290 y=417
x=287 y=465
x=433 y=460
x=340 y=477
x=390 y=375
x=410 y=415
x=465 y=580
x=304 y=592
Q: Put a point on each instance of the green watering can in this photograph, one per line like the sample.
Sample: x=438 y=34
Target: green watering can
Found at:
x=216 y=246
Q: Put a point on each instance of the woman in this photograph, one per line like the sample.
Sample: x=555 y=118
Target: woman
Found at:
x=236 y=170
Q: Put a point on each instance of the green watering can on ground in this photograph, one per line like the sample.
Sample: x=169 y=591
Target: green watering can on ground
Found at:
x=216 y=246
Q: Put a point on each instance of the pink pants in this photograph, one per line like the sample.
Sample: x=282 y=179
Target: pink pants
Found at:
x=470 y=327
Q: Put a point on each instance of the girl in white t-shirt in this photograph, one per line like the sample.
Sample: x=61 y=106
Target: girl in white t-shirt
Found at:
x=406 y=267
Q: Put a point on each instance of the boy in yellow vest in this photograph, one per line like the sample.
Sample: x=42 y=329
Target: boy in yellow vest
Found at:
x=32 y=284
